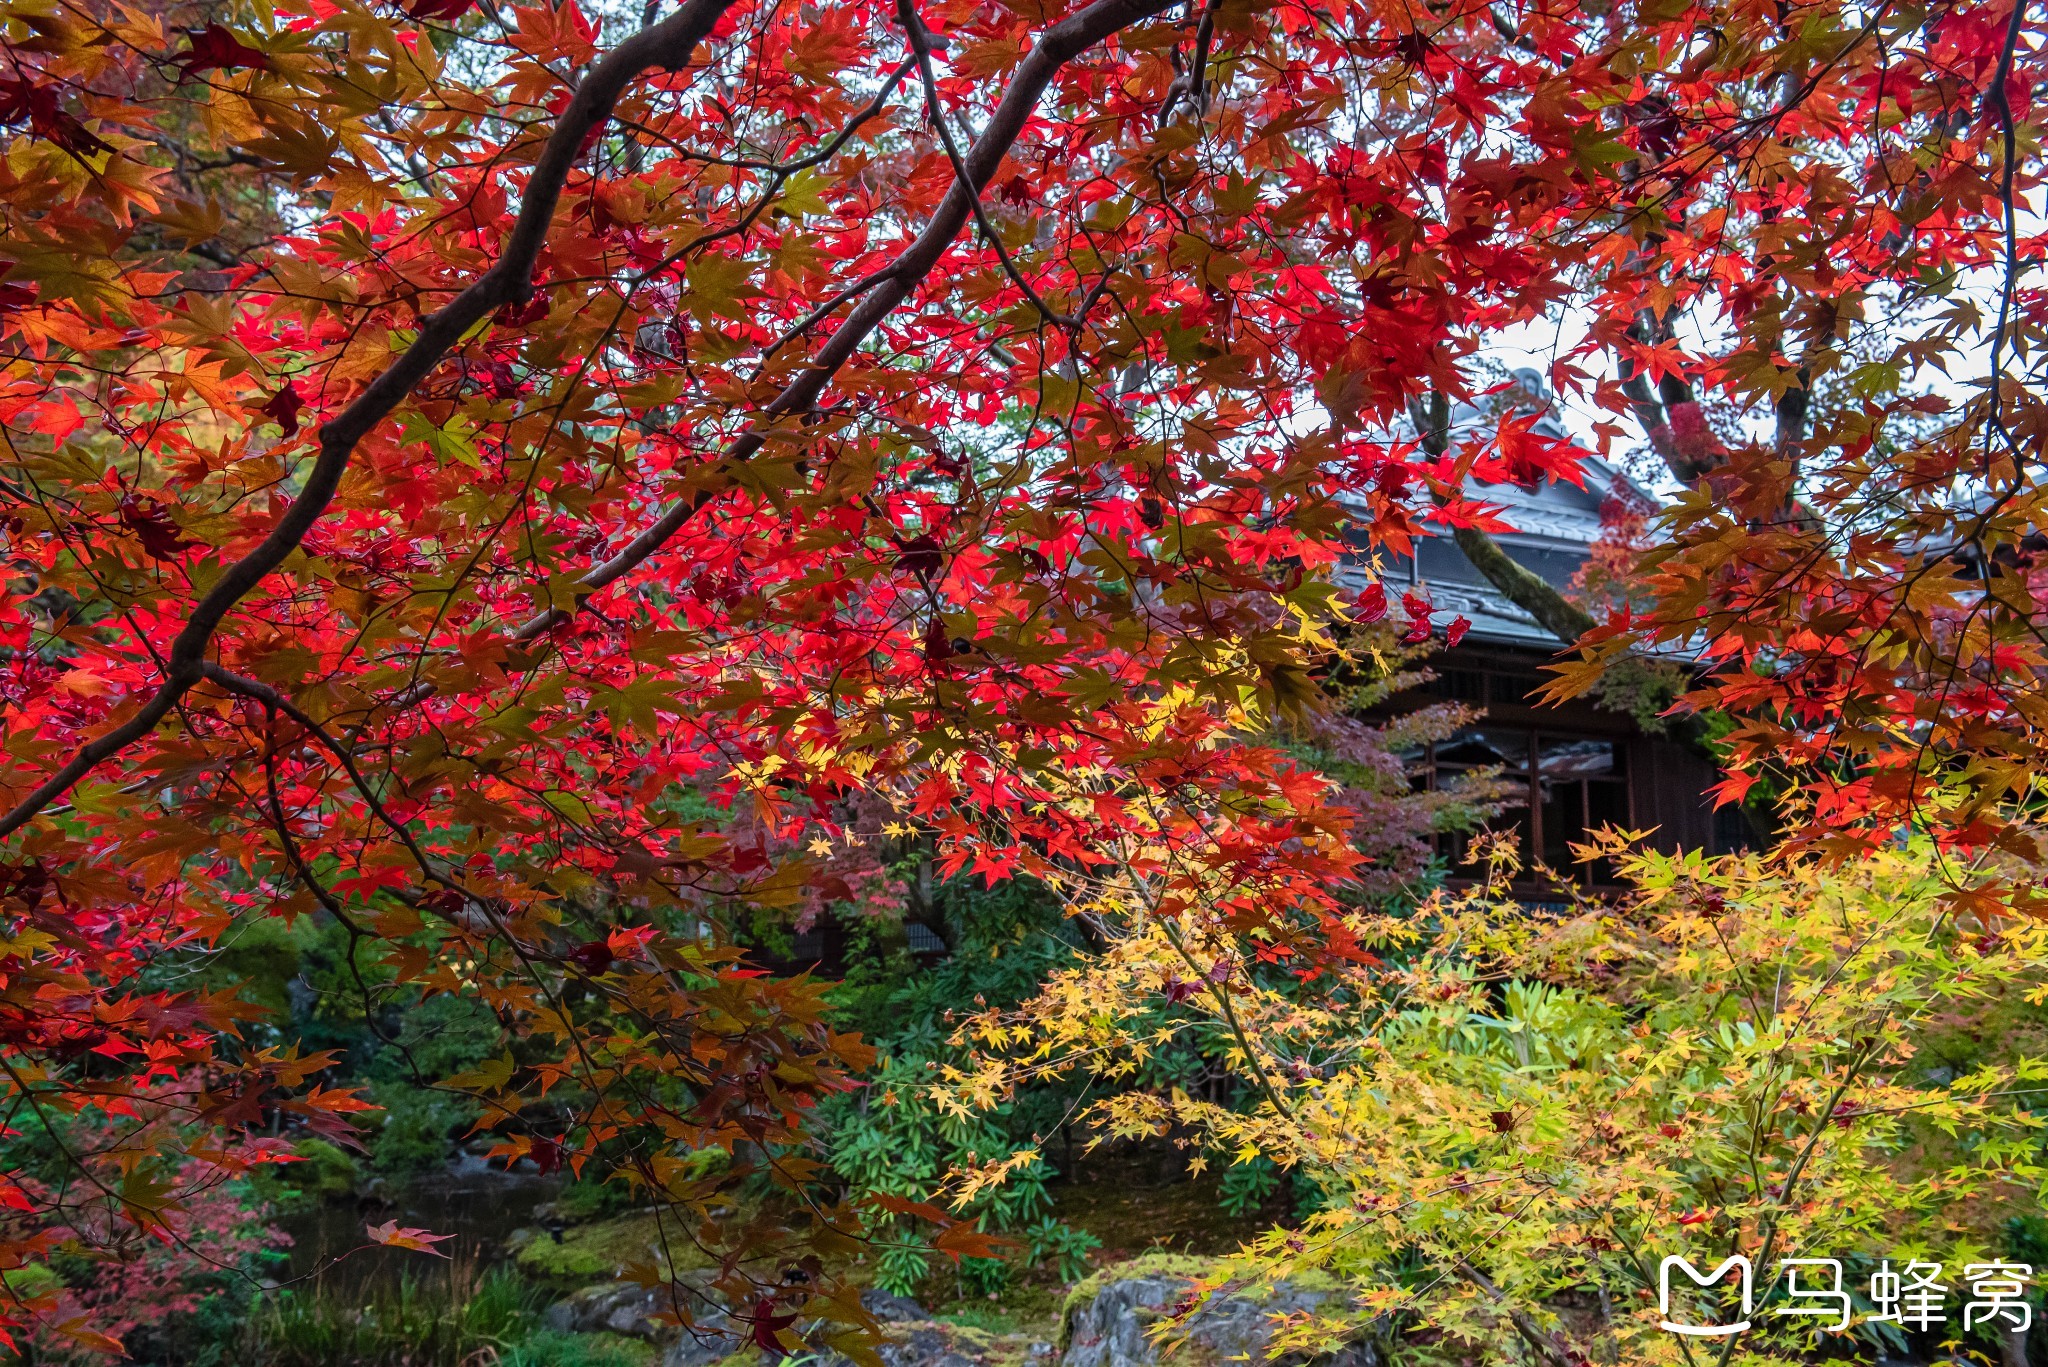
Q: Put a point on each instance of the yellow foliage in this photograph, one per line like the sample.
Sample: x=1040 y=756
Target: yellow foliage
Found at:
x=1512 y=1112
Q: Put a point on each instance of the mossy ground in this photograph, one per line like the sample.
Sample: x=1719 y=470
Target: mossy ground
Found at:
x=1135 y=1200
x=604 y=1249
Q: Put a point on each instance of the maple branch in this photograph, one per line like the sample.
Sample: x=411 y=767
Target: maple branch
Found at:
x=1060 y=44
x=829 y=150
x=1547 y=1346
x=1523 y=587
x=1690 y=454
x=1997 y=98
x=823 y=311
x=508 y=281
x=1193 y=83
x=1793 y=410
x=921 y=44
x=278 y=702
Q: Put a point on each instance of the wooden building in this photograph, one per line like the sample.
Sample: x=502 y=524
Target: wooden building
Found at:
x=1580 y=766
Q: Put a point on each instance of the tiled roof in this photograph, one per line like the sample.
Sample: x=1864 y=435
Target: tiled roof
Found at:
x=1555 y=525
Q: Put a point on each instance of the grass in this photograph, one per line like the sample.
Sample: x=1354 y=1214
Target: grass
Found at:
x=454 y=1321
x=550 y=1349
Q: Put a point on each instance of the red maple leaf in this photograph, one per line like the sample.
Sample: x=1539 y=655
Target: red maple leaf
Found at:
x=153 y=527
x=920 y=556
x=22 y=99
x=1417 y=610
x=545 y=1152
x=447 y=11
x=764 y=1325
x=594 y=958
x=284 y=408
x=215 y=49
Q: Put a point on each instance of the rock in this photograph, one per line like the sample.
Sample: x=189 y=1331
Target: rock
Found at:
x=711 y=1335
x=1107 y=1317
x=634 y=1310
x=927 y=1344
x=891 y=1309
x=935 y=1343
x=706 y=1342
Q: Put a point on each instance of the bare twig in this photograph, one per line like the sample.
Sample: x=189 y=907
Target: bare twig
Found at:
x=921 y=45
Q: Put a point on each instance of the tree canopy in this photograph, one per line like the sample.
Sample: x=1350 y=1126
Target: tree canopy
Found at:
x=528 y=483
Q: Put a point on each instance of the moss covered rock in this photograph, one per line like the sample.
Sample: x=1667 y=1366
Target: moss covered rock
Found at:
x=938 y=1343
x=603 y=1249
x=1107 y=1320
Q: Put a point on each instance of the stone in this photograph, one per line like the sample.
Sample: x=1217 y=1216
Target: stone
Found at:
x=709 y=1340
x=891 y=1309
x=1108 y=1316
x=936 y=1343
x=636 y=1311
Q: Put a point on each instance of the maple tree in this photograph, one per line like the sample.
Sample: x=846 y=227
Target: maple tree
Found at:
x=514 y=481
x=1505 y=1120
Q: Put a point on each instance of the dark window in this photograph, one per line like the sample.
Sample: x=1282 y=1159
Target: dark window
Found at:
x=1569 y=786
x=1461 y=685
x=922 y=939
x=1732 y=832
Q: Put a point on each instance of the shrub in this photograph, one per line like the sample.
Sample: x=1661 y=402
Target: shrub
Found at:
x=1062 y=1245
x=326 y=1172
x=418 y=1130
x=114 y=1278
x=1505 y=1109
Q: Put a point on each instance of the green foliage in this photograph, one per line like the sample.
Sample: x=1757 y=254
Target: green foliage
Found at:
x=897 y=1136
x=2026 y=1239
x=1066 y=1248
x=325 y=1172
x=984 y=1276
x=901 y=1266
x=1246 y=1185
x=441 y=1035
x=447 y=1322
x=418 y=1127
x=263 y=957
x=589 y=1197
x=548 y=1348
